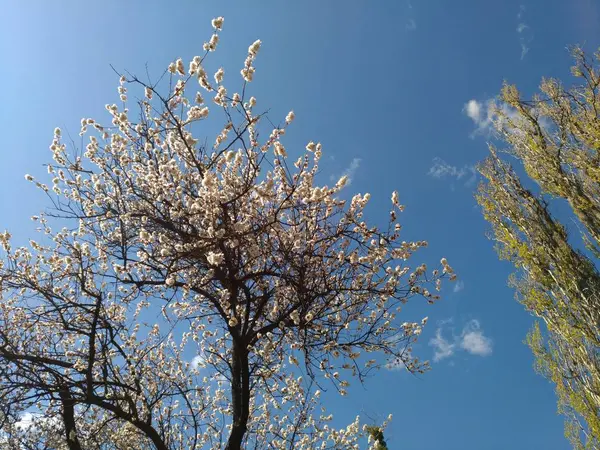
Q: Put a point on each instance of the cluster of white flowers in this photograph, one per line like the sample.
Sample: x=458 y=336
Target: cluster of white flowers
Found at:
x=214 y=258
x=217 y=23
x=248 y=70
x=197 y=113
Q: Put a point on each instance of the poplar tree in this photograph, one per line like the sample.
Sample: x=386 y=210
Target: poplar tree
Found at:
x=556 y=138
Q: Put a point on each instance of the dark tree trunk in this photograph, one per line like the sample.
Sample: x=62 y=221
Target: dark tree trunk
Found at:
x=240 y=395
x=68 y=416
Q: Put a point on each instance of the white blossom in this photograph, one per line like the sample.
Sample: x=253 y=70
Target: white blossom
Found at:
x=254 y=48
x=217 y=23
x=215 y=258
x=219 y=75
x=290 y=117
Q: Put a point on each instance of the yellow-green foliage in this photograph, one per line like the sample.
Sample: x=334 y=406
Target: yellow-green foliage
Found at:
x=556 y=137
x=376 y=434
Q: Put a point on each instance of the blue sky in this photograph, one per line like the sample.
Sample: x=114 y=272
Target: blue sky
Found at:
x=384 y=86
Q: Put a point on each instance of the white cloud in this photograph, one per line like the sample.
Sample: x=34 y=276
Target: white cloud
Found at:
x=524 y=32
x=447 y=321
x=26 y=420
x=398 y=364
x=521 y=27
x=352 y=168
x=442 y=347
x=198 y=362
x=349 y=171
x=441 y=169
x=482 y=114
x=472 y=340
x=473 y=110
x=411 y=23
x=524 y=49
x=32 y=419
x=219 y=378
x=493 y=115
x=458 y=286
x=395 y=364
x=485 y=115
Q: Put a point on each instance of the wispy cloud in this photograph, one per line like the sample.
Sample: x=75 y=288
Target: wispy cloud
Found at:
x=521 y=27
x=352 y=168
x=26 y=420
x=441 y=169
x=443 y=348
x=411 y=24
x=458 y=286
x=198 y=362
x=471 y=339
x=482 y=114
x=485 y=115
x=524 y=32
x=349 y=171
x=398 y=364
x=30 y=420
x=473 y=110
x=492 y=115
